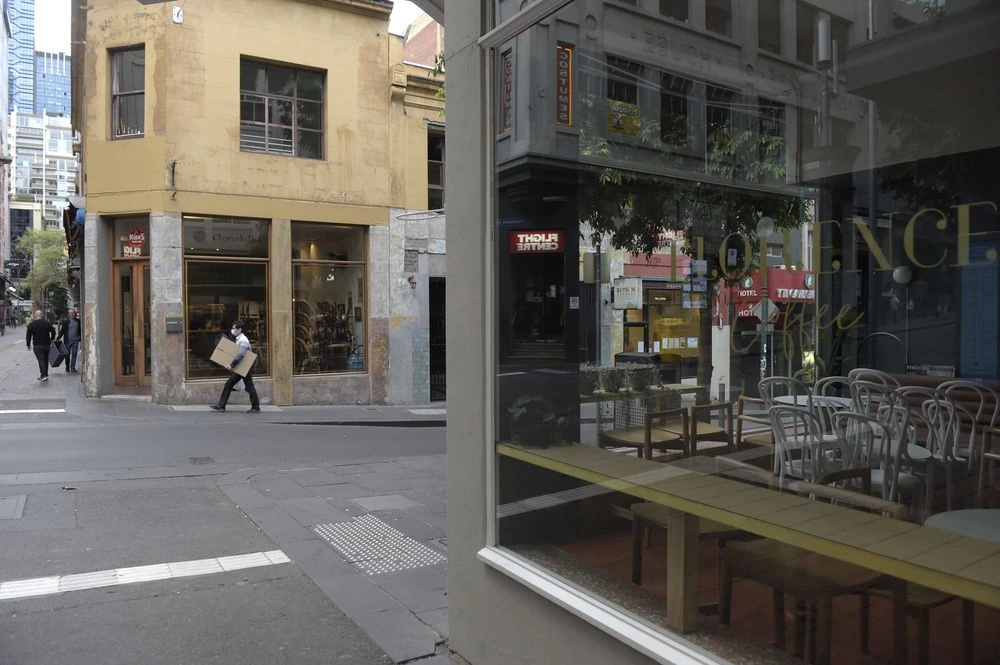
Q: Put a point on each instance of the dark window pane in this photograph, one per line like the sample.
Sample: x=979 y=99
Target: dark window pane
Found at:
x=435 y=199
x=279 y=112
x=675 y=9
x=310 y=85
x=435 y=148
x=280 y=81
x=769 y=25
x=130 y=70
x=327 y=242
x=309 y=144
x=129 y=118
x=805 y=33
x=310 y=115
x=435 y=173
x=329 y=318
x=719 y=16
x=279 y=140
x=252 y=108
x=252 y=138
x=252 y=76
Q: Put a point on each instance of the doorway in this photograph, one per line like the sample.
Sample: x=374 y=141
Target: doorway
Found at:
x=438 y=370
x=538 y=321
x=131 y=348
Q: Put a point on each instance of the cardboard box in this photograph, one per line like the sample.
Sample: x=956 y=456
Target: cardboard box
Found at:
x=226 y=351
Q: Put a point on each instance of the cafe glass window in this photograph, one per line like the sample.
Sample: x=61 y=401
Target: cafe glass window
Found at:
x=328 y=297
x=131 y=237
x=225 y=280
x=767 y=345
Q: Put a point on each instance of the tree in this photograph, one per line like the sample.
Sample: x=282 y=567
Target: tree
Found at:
x=47 y=277
x=631 y=208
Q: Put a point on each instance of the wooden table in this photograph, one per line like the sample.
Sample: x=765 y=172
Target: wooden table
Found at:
x=803 y=400
x=948 y=562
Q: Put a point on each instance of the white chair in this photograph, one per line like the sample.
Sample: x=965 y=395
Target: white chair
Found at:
x=800 y=448
x=794 y=391
x=873 y=375
x=833 y=386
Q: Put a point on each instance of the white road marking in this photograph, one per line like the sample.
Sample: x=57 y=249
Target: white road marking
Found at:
x=429 y=412
x=44 y=586
x=19 y=411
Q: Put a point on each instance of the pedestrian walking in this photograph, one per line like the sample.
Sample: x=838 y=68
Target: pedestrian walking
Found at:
x=41 y=333
x=71 y=333
x=244 y=346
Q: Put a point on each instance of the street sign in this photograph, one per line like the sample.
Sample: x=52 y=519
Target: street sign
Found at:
x=758 y=309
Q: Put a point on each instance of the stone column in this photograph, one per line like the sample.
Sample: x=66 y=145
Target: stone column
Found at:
x=282 y=321
x=166 y=269
x=95 y=314
x=378 y=313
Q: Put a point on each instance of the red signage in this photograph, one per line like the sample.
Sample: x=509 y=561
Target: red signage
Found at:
x=536 y=242
x=136 y=238
x=564 y=84
x=507 y=87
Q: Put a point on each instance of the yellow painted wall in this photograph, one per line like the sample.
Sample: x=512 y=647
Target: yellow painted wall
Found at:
x=192 y=110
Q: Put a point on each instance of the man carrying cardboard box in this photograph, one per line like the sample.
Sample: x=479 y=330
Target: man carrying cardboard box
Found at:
x=244 y=347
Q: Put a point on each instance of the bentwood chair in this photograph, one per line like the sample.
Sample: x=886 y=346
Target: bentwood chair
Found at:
x=802 y=450
x=773 y=387
x=833 y=386
x=873 y=375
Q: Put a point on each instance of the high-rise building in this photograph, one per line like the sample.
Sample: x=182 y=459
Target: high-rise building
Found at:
x=21 y=53
x=52 y=81
x=45 y=167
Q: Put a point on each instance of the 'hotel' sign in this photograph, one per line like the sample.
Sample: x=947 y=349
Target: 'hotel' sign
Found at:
x=564 y=84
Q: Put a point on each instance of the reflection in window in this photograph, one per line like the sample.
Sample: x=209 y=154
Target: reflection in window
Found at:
x=281 y=110
x=674 y=109
x=217 y=294
x=329 y=298
x=675 y=9
x=769 y=25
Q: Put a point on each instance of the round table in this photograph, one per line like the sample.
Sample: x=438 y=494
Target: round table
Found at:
x=977 y=523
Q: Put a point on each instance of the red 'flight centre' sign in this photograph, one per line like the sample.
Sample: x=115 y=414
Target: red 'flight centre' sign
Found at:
x=535 y=242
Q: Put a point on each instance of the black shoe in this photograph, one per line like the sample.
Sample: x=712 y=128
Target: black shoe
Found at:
x=216 y=407
x=254 y=410
x=44 y=378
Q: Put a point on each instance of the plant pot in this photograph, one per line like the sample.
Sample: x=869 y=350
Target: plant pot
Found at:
x=640 y=379
x=590 y=379
x=612 y=380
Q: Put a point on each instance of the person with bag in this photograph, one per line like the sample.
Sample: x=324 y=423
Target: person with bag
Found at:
x=71 y=333
x=244 y=346
x=41 y=333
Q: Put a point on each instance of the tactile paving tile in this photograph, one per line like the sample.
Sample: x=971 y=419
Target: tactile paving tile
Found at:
x=375 y=547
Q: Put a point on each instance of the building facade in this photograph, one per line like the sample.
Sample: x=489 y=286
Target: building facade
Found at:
x=749 y=193
x=45 y=167
x=52 y=83
x=267 y=183
x=21 y=55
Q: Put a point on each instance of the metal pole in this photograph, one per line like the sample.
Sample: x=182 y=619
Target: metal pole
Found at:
x=598 y=309
x=764 y=315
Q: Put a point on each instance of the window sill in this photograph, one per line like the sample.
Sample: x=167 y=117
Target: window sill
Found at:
x=263 y=153
x=129 y=137
x=637 y=634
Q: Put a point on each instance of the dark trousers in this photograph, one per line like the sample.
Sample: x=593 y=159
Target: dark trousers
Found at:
x=247 y=381
x=72 y=348
x=42 y=353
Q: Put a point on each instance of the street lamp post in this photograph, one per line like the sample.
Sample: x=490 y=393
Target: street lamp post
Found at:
x=765 y=227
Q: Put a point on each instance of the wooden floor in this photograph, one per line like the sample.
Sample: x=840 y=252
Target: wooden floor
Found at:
x=752 y=616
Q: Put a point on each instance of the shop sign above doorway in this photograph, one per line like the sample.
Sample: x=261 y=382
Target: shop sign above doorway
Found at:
x=536 y=242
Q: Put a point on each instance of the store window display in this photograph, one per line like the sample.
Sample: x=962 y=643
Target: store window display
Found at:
x=328 y=298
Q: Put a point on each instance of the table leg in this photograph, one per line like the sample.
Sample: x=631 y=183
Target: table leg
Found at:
x=682 y=582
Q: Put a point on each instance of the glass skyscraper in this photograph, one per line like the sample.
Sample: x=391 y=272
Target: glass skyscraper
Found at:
x=52 y=83
x=21 y=75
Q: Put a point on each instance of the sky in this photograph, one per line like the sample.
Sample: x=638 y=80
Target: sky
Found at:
x=52 y=22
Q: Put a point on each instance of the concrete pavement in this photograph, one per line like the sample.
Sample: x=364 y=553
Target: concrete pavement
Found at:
x=369 y=534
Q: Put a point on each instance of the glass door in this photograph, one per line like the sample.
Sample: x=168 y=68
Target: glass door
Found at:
x=133 y=364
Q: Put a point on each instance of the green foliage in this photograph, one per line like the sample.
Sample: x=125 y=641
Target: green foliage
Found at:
x=438 y=71
x=48 y=262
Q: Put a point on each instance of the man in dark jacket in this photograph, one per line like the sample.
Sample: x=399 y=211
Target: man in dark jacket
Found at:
x=41 y=333
x=71 y=333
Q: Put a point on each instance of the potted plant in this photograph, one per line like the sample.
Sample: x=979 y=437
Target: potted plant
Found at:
x=639 y=377
x=533 y=422
x=590 y=378
x=612 y=380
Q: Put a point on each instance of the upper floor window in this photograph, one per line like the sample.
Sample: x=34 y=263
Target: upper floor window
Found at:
x=719 y=16
x=623 y=80
x=769 y=25
x=281 y=110
x=675 y=92
x=128 y=92
x=675 y=9
x=435 y=170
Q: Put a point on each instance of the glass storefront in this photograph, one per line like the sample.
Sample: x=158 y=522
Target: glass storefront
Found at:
x=225 y=281
x=745 y=303
x=328 y=294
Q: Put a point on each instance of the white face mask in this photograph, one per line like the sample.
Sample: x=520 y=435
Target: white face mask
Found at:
x=233 y=332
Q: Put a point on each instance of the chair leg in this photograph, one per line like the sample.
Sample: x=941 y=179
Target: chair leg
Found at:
x=799 y=645
x=811 y=634
x=779 y=618
x=923 y=636
x=899 y=622
x=949 y=489
x=968 y=631
x=725 y=591
x=823 y=630
x=864 y=614
x=636 y=551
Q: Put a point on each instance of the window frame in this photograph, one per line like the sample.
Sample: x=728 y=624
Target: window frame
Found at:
x=267 y=98
x=433 y=133
x=117 y=96
x=363 y=299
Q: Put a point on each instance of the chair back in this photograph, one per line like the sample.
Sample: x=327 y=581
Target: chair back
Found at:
x=825 y=408
x=833 y=386
x=782 y=386
x=870 y=396
x=982 y=401
x=873 y=375
x=801 y=450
